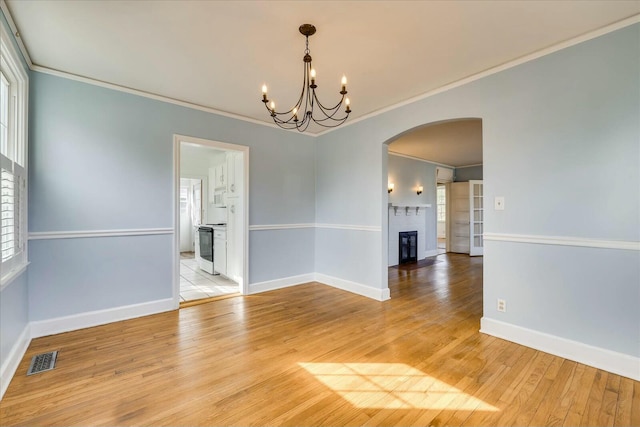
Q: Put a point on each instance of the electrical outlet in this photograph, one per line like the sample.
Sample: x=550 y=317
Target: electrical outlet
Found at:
x=502 y=305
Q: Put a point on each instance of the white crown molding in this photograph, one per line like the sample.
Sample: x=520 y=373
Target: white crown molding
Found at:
x=50 y=235
x=563 y=241
x=11 y=363
x=407 y=156
x=563 y=45
x=610 y=361
x=16 y=34
x=494 y=70
x=469 y=166
x=149 y=95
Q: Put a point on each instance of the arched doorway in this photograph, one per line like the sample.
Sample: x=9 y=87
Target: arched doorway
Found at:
x=447 y=154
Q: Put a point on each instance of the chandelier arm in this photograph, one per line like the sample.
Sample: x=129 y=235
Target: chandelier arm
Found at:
x=335 y=107
x=328 y=113
x=337 y=122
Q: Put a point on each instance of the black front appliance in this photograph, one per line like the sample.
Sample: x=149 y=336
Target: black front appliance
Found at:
x=206 y=242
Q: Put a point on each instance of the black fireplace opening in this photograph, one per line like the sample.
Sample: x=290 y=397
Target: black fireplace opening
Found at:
x=408 y=247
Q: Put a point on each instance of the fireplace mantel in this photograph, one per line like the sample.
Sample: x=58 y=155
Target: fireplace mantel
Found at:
x=408 y=209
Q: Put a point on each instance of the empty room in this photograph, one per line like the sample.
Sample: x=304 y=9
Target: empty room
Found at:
x=320 y=212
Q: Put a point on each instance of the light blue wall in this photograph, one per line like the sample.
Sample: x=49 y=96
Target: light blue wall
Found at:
x=407 y=174
x=344 y=179
x=101 y=159
x=71 y=276
x=14 y=302
x=14 y=314
x=295 y=254
x=560 y=143
x=467 y=174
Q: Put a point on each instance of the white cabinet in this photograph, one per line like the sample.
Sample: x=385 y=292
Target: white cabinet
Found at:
x=218 y=184
x=220 y=173
x=220 y=251
x=212 y=184
x=234 y=173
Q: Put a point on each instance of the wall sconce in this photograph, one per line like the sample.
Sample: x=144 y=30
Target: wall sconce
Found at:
x=390 y=187
x=419 y=190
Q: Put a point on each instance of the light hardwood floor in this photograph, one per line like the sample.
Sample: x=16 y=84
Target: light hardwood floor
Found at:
x=315 y=355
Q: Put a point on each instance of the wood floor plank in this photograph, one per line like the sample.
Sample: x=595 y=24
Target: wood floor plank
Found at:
x=579 y=401
x=316 y=355
x=624 y=408
x=591 y=414
x=635 y=405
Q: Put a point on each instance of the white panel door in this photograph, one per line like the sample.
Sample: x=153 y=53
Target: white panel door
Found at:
x=476 y=218
x=459 y=219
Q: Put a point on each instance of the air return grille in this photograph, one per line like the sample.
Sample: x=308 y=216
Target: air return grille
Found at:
x=42 y=362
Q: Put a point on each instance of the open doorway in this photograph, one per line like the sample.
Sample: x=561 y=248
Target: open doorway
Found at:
x=424 y=167
x=211 y=180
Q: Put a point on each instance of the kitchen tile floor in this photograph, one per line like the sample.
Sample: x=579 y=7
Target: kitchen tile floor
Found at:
x=197 y=284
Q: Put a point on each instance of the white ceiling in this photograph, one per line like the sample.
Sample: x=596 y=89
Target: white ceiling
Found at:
x=454 y=143
x=218 y=54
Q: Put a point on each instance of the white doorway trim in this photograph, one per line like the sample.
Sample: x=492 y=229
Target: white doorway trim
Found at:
x=177 y=140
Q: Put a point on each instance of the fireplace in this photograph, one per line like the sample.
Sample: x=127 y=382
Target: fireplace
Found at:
x=408 y=247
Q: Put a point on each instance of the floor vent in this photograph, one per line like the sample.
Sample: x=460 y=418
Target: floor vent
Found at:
x=42 y=362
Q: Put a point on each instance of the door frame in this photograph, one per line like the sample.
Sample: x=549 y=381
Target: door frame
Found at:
x=177 y=140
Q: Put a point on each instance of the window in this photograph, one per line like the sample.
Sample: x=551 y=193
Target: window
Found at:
x=442 y=203
x=13 y=156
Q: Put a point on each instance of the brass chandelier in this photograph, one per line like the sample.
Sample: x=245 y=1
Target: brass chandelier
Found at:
x=309 y=108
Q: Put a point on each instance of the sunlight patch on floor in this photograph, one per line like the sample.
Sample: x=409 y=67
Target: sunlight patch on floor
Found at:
x=391 y=386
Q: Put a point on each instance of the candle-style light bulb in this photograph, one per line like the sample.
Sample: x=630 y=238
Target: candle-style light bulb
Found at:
x=344 y=85
x=347 y=102
x=313 y=79
x=295 y=114
x=264 y=94
x=273 y=107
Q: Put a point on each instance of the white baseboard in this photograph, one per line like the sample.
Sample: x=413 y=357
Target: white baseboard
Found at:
x=9 y=366
x=356 y=288
x=271 y=285
x=345 y=285
x=610 y=361
x=428 y=254
x=99 y=317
